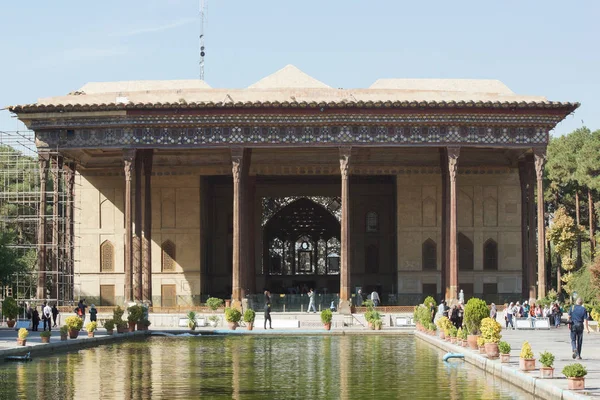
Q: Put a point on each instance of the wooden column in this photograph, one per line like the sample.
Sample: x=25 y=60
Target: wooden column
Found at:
x=453 y=153
x=531 y=235
x=344 y=306
x=137 y=239
x=43 y=159
x=540 y=158
x=57 y=166
x=69 y=232
x=238 y=169
x=524 y=230
x=147 y=246
x=250 y=225
x=128 y=161
x=445 y=254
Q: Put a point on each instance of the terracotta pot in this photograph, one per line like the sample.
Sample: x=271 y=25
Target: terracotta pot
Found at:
x=11 y=323
x=91 y=334
x=504 y=358
x=527 y=364
x=250 y=326
x=546 y=372
x=482 y=350
x=21 y=342
x=464 y=343
x=378 y=327
x=452 y=340
x=232 y=325
x=328 y=326
x=120 y=330
x=371 y=326
x=472 y=341
x=73 y=333
x=45 y=339
x=63 y=337
x=442 y=335
x=132 y=326
x=109 y=332
x=491 y=350
x=576 y=383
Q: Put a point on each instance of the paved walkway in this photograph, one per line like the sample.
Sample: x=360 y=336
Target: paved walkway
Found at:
x=556 y=341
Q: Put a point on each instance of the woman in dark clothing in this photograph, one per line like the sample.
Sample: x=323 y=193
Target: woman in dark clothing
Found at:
x=35 y=318
x=93 y=313
x=268 y=309
x=54 y=314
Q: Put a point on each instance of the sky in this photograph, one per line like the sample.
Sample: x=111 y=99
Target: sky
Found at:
x=548 y=48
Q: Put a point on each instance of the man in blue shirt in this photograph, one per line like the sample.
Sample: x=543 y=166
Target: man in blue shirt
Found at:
x=578 y=315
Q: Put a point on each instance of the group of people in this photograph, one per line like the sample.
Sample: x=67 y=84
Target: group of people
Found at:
x=455 y=313
x=49 y=316
x=517 y=310
x=373 y=296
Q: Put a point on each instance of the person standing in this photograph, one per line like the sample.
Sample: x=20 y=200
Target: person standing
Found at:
x=359 y=298
x=55 y=313
x=93 y=313
x=81 y=309
x=432 y=311
x=578 y=315
x=47 y=316
x=493 y=312
x=268 y=309
x=35 y=318
x=508 y=314
x=375 y=298
x=311 y=301
x=461 y=297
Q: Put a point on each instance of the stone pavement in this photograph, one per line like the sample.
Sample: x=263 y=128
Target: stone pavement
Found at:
x=556 y=341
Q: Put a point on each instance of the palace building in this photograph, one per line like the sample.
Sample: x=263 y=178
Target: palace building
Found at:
x=409 y=187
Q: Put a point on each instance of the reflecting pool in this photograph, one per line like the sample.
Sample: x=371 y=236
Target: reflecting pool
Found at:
x=253 y=367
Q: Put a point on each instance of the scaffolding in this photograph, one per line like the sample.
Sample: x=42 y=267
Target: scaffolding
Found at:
x=42 y=236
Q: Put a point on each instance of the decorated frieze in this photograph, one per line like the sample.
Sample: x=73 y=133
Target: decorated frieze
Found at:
x=277 y=136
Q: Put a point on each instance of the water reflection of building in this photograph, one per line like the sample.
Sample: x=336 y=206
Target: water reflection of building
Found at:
x=435 y=179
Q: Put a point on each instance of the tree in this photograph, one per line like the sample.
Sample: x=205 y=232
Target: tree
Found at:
x=563 y=234
x=588 y=174
x=10 y=259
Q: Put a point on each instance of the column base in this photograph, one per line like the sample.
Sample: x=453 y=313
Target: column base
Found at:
x=237 y=304
x=344 y=307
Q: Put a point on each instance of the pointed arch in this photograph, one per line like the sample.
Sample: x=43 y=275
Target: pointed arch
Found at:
x=465 y=253
x=429 y=255
x=490 y=255
x=107 y=256
x=168 y=256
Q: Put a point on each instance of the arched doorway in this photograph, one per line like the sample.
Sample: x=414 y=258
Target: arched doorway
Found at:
x=301 y=247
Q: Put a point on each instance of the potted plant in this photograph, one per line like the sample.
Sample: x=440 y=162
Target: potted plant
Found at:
x=249 y=316
x=118 y=319
x=214 y=320
x=74 y=325
x=91 y=328
x=452 y=331
x=526 y=359
x=109 y=325
x=45 y=335
x=504 y=349
x=64 y=330
x=490 y=332
x=547 y=360
x=191 y=320
x=134 y=314
x=475 y=311
x=232 y=316
x=10 y=310
x=143 y=324
x=432 y=328
x=443 y=323
x=464 y=338
x=214 y=303
x=326 y=317
x=576 y=374
x=377 y=324
x=22 y=336
x=481 y=344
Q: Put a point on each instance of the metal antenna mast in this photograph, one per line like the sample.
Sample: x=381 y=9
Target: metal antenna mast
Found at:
x=203 y=9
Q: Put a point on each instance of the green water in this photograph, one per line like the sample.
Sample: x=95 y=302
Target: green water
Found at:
x=253 y=367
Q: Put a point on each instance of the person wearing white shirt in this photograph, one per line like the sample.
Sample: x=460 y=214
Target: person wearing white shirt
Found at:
x=375 y=298
x=47 y=316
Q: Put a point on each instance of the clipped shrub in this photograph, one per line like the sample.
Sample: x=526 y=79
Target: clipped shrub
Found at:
x=91 y=326
x=45 y=334
x=526 y=352
x=232 y=315
x=428 y=300
x=214 y=302
x=10 y=309
x=23 y=333
x=504 y=347
x=574 y=371
x=452 y=331
x=490 y=330
x=326 y=316
x=249 y=315
x=109 y=324
x=547 y=359
x=475 y=311
x=64 y=330
x=74 y=323
x=480 y=341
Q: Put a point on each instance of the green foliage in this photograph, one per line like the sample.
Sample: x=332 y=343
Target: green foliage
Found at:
x=64 y=330
x=526 y=352
x=135 y=313
x=214 y=303
x=575 y=370
x=191 y=317
x=23 y=333
x=74 y=323
x=443 y=323
x=504 y=347
x=91 y=326
x=475 y=311
x=452 y=331
x=547 y=359
x=10 y=309
x=326 y=316
x=372 y=316
x=232 y=315
x=45 y=334
x=11 y=260
x=118 y=314
x=249 y=315
x=490 y=330
x=584 y=284
x=377 y=324
x=428 y=300
x=422 y=314
x=109 y=324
